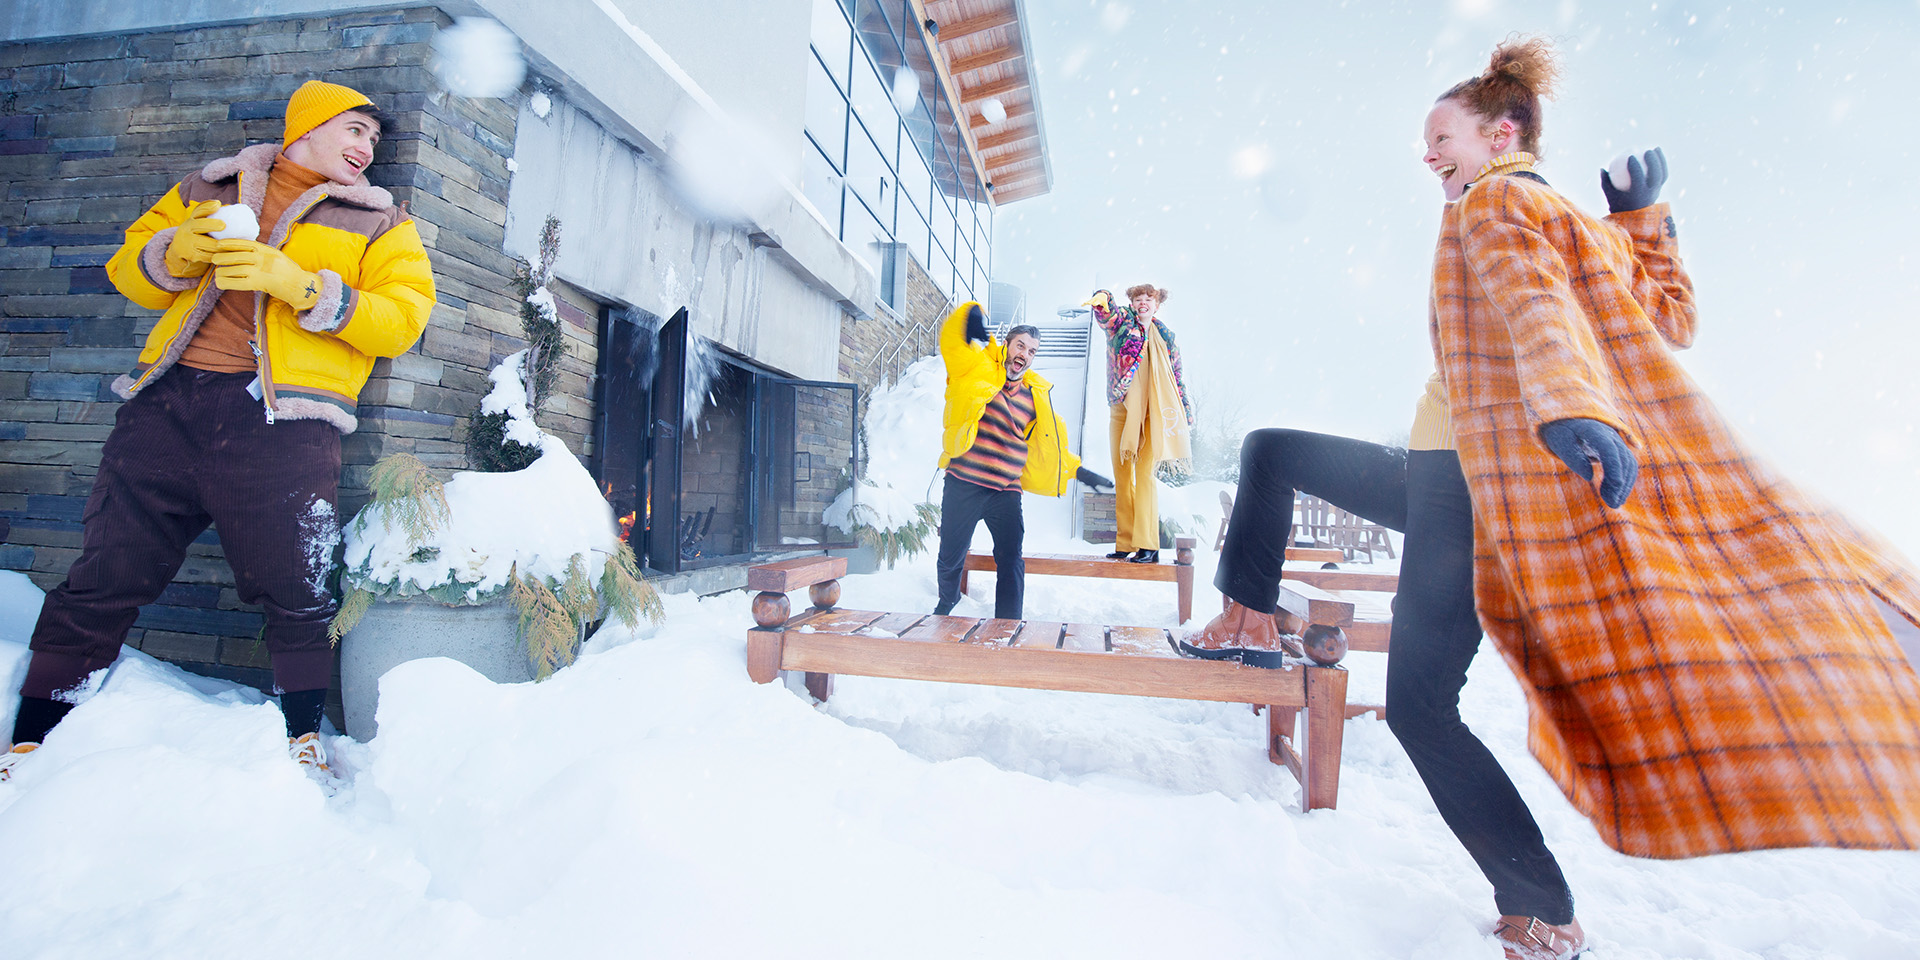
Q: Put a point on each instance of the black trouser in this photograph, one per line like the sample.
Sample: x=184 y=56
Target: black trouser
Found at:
x=1436 y=633
x=194 y=449
x=962 y=506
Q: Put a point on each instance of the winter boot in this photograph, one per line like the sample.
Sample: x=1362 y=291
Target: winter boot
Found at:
x=12 y=758
x=1531 y=938
x=307 y=751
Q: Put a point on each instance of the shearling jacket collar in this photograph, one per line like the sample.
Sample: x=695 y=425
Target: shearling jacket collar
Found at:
x=258 y=159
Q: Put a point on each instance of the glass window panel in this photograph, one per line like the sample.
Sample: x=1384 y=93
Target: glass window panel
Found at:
x=916 y=181
x=865 y=237
x=913 y=233
x=880 y=31
x=920 y=130
x=826 y=115
x=868 y=175
x=821 y=186
x=875 y=110
x=942 y=271
x=942 y=223
x=832 y=38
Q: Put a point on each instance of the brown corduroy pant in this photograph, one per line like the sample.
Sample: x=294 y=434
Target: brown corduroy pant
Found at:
x=194 y=449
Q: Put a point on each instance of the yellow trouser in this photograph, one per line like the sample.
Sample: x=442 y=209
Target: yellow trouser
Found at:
x=1136 y=499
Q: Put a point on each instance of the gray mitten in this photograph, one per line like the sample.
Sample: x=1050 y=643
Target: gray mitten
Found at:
x=1642 y=188
x=1578 y=441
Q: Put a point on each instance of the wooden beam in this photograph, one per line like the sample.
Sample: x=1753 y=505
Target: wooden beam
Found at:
x=1012 y=173
x=1005 y=137
x=980 y=24
x=981 y=61
x=986 y=91
x=949 y=86
x=1014 y=112
x=1023 y=190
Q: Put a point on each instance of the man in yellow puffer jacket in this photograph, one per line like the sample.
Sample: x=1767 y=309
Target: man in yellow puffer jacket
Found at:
x=1001 y=437
x=235 y=411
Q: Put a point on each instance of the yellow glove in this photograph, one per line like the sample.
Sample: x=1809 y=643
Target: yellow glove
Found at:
x=192 y=250
x=252 y=265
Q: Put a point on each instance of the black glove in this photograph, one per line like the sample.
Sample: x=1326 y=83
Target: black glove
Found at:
x=1579 y=440
x=1092 y=479
x=976 y=324
x=1645 y=188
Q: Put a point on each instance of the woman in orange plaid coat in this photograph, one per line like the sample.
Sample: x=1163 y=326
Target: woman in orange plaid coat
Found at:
x=1705 y=663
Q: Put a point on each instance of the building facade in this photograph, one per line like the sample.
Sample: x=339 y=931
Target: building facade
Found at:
x=765 y=210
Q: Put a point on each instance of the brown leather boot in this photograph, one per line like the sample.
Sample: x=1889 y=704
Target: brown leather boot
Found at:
x=1237 y=626
x=1530 y=938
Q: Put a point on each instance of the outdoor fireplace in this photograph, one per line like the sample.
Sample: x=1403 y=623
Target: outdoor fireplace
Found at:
x=710 y=458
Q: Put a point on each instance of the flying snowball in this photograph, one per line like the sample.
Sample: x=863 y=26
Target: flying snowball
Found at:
x=906 y=86
x=477 y=57
x=240 y=221
x=994 y=111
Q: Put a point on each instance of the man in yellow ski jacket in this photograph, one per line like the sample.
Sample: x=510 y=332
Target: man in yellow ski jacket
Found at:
x=235 y=410
x=1001 y=436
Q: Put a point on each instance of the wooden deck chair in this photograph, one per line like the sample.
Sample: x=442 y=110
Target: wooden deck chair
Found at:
x=1226 y=512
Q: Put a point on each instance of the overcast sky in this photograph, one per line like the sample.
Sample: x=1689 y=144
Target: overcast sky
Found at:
x=1261 y=160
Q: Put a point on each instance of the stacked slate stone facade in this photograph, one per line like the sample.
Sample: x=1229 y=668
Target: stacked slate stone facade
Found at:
x=93 y=130
x=874 y=351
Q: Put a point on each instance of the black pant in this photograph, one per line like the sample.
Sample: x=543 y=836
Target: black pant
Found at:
x=194 y=449
x=1436 y=633
x=962 y=506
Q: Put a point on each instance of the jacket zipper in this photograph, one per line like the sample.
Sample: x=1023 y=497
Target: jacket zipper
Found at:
x=268 y=396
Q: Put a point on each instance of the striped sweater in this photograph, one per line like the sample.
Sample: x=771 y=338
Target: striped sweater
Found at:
x=999 y=450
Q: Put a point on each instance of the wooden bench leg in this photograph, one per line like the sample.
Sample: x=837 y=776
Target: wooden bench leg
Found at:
x=763 y=653
x=1325 y=730
x=820 y=686
x=764 y=642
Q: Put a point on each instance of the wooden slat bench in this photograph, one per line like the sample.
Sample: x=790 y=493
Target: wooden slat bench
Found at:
x=1089 y=658
x=1358 y=603
x=1180 y=571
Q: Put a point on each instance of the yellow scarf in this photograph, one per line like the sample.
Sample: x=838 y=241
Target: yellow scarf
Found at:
x=1157 y=425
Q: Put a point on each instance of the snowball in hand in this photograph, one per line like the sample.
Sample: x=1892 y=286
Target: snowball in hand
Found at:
x=477 y=57
x=1617 y=171
x=240 y=221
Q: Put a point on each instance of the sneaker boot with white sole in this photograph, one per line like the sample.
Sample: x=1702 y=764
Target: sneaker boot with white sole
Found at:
x=12 y=758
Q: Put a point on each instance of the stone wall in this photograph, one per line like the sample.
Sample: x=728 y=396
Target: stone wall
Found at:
x=1098 y=521
x=94 y=130
x=875 y=351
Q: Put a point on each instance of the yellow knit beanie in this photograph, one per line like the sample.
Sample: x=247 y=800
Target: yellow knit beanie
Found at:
x=315 y=103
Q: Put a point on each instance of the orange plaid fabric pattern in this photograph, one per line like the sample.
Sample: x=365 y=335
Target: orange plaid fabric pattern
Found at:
x=1705 y=668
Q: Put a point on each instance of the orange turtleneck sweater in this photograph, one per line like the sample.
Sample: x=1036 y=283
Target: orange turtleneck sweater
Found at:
x=224 y=342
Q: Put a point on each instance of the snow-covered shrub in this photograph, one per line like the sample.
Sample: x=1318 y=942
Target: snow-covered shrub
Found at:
x=501 y=435
x=882 y=518
x=885 y=509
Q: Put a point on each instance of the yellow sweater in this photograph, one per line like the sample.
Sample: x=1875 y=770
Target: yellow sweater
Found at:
x=1432 y=418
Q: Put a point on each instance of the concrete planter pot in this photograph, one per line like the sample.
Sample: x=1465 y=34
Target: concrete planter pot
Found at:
x=484 y=637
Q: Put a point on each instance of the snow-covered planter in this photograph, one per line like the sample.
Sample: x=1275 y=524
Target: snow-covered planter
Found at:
x=539 y=543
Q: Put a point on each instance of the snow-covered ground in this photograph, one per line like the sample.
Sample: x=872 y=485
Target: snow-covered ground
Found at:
x=652 y=801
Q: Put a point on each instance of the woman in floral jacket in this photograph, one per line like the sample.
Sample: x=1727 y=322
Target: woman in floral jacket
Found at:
x=1147 y=426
